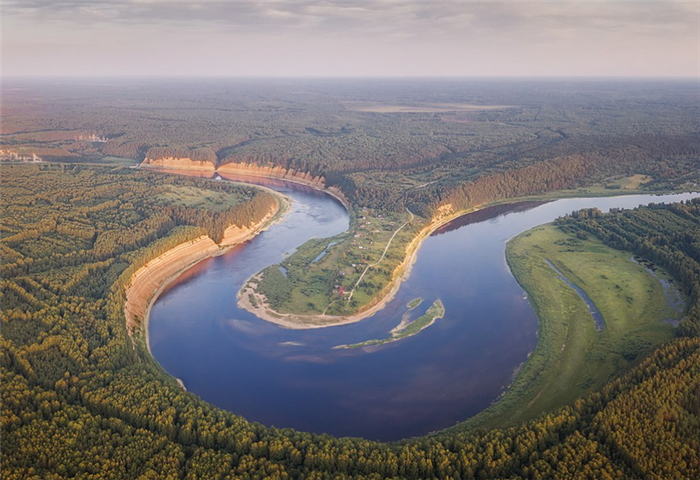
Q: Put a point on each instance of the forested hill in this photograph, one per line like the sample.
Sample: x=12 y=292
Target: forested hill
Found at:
x=388 y=144
x=80 y=400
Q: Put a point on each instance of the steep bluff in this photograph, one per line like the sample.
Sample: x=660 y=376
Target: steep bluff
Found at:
x=172 y=163
x=148 y=281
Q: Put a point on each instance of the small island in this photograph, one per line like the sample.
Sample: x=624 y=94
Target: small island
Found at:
x=414 y=303
x=407 y=329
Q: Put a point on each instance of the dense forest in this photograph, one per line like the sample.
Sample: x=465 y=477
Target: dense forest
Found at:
x=373 y=139
x=82 y=399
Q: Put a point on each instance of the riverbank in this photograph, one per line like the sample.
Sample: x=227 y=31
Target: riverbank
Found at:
x=572 y=357
x=253 y=301
x=149 y=281
x=186 y=166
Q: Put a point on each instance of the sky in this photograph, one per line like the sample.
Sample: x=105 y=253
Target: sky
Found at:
x=373 y=38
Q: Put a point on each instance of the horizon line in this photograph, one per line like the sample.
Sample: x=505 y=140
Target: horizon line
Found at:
x=354 y=77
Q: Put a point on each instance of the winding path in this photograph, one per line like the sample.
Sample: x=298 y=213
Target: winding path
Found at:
x=381 y=258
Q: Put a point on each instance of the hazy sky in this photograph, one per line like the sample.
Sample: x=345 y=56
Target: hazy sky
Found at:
x=350 y=38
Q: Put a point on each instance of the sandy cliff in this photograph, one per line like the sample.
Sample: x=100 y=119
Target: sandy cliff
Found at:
x=274 y=172
x=178 y=164
x=282 y=173
x=152 y=278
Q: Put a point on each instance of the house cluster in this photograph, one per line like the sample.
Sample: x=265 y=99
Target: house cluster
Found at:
x=91 y=138
x=10 y=156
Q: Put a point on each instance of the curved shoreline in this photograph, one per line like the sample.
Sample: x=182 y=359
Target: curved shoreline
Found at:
x=149 y=281
x=401 y=273
x=296 y=321
x=251 y=170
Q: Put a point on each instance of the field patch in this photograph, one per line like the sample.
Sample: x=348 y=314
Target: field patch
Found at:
x=572 y=358
x=373 y=107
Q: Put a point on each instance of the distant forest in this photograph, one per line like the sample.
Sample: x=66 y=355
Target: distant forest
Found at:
x=368 y=137
x=82 y=399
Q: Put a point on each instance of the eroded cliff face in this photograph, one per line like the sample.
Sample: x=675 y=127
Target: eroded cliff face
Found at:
x=173 y=163
x=274 y=172
x=150 y=279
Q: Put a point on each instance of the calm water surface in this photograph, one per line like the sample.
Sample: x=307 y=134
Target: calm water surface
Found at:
x=294 y=378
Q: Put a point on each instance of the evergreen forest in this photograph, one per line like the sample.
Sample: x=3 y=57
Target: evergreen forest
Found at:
x=83 y=399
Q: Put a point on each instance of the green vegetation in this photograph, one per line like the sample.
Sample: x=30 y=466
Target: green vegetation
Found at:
x=350 y=272
x=436 y=141
x=200 y=198
x=571 y=357
x=407 y=329
x=666 y=235
x=433 y=149
x=343 y=274
x=82 y=399
x=414 y=303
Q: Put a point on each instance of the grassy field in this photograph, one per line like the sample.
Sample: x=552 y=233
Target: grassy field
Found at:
x=414 y=303
x=199 y=197
x=571 y=357
x=340 y=275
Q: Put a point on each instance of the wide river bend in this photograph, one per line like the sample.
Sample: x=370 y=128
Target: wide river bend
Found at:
x=294 y=378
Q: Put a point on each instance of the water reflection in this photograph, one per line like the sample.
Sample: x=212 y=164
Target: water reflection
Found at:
x=294 y=378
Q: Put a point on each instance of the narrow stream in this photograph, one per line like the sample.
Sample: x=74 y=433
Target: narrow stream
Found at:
x=592 y=309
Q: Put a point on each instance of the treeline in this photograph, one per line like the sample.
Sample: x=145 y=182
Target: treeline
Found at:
x=387 y=160
x=547 y=176
x=199 y=154
x=216 y=222
x=543 y=177
x=83 y=399
x=463 y=185
x=666 y=234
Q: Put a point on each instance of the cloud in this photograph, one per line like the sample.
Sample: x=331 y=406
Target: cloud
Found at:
x=379 y=36
x=344 y=15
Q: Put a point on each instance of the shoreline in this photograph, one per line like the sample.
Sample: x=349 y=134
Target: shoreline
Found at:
x=303 y=322
x=401 y=273
x=149 y=281
x=252 y=170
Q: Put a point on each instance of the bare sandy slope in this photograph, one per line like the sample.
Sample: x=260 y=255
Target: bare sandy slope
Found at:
x=150 y=280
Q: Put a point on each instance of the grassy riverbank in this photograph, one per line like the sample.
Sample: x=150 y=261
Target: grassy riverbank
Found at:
x=342 y=275
x=571 y=357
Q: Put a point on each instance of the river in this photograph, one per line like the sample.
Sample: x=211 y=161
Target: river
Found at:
x=294 y=378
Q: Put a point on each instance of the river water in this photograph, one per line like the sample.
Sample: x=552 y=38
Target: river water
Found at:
x=294 y=378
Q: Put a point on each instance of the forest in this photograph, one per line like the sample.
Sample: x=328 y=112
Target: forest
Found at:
x=82 y=399
x=388 y=144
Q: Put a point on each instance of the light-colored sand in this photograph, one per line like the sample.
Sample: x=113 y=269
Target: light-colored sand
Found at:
x=188 y=166
x=178 y=164
x=401 y=273
x=153 y=284
x=151 y=279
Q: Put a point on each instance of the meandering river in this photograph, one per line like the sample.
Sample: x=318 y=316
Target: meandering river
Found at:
x=294 y=378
